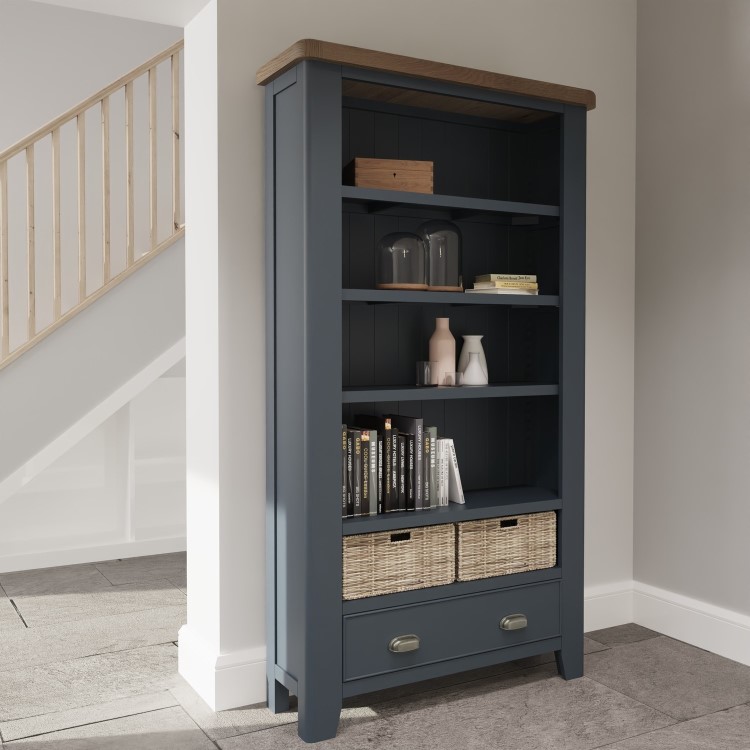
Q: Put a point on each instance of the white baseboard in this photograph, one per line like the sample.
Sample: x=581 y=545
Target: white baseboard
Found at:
x=607 y=605
x=698 y=623
x=223 y=681
x=97 y=553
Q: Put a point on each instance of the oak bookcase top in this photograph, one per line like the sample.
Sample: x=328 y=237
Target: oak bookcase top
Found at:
x=342 y=54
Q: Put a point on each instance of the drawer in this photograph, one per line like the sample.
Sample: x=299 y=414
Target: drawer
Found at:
x=448 y=628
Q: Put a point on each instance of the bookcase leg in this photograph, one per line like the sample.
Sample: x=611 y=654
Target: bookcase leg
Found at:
x=569 y=663
x=278 y=697
x=318 y=717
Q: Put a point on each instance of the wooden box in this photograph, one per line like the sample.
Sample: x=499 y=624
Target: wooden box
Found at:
x=390 y=174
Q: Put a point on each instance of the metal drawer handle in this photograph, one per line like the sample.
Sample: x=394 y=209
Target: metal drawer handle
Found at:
x=513 y=622
x=401 y=644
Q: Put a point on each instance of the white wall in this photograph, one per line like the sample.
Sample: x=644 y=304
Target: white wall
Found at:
x=119 y=491
x=585 y=43
x=692 y=471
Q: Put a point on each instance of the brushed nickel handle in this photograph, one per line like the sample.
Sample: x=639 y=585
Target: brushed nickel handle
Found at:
x=513 y=622
x=401 y=644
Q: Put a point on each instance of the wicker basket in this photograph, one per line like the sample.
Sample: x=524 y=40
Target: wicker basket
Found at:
x=392 y=561
x=500 y=546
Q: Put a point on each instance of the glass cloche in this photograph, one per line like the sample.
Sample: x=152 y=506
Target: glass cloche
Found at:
x=401 y=262
x=443 y=242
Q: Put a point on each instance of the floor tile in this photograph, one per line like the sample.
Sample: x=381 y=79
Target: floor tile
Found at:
x=522 y=710
x=673 y=677
x=69 y=578
x=75 y=683
x=220 y=724
x=77 y=717
x=168 y=729
x=48 y=608
x=9 y=619
x=724 y=730
x=149 y=568
x=622 y=634
x=51 y=643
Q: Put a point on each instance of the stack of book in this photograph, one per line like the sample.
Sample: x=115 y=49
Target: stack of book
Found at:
x=395 y=463
x=505 y=283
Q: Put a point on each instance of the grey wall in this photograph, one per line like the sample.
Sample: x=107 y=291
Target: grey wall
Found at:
x=692 y=373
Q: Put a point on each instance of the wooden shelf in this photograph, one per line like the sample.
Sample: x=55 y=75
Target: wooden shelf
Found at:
x=384 y=296
x=492 y=503
x=380 y=198
x=353 y=395
x=458 y=588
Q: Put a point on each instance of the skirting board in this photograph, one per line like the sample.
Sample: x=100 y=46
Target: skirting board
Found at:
x=98 y=553
x=607 y=605
x=223 y=681
x=698 y=623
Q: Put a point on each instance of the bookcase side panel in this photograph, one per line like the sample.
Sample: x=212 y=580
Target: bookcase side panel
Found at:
x=572 y=386
x=308 y=322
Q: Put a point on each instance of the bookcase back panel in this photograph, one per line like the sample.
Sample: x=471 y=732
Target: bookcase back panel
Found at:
x=383 y=342
x=473 y=157
x=500 y=442
x=488 y=246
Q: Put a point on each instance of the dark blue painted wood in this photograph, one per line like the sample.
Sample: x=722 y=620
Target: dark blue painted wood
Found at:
x=485 y=503
x=454 y=202
x=453 y=666
x=458 y=588
x=448 y=628
x=397 y=393
x=572 y=391
x=448 y=298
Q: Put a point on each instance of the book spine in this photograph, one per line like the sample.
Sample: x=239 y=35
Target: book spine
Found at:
x=457 y=489
x=419 y=493
x=365 y=469
x=506 y=285
x=433 y=467
x=393 y=499
x=411 y=483
x=506 y=277
x=344 y=472
x=373 y=468
x=357 y=472
x=380 y=474
x=402 y=476
x=349 y=473
x=426 y=484
x=444 y=471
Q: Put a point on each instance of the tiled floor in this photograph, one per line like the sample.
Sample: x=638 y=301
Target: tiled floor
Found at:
x=88 y=662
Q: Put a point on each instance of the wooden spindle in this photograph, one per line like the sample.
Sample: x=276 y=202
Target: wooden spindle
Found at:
x=129 y=194
x=30 y=244
x=152 y=165
x=4 y=310
x=56 y=268
x=105 y=192
x=81 y=134
x=175 y=142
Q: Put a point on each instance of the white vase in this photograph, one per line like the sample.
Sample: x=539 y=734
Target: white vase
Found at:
x=474 y=374
x=442 y=351
x=473 y=344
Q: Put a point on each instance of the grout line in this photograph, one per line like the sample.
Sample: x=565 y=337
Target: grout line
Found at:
x=18 y=612
x=199 y=727
x=90 y=723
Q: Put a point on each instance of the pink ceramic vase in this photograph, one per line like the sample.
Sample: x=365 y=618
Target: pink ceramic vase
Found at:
x=443 y=351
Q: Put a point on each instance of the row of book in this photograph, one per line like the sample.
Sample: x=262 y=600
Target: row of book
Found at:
x=505 y=283
x=395 y=463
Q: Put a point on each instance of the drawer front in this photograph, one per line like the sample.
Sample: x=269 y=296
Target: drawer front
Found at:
x=448 y=629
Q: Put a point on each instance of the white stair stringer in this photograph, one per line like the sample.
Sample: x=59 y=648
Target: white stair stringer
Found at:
x=82 y=374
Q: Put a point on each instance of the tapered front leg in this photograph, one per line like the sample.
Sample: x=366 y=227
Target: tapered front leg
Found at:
x=319 y=715
x=569 y=663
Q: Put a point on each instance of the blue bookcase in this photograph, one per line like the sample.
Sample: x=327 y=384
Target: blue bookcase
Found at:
x=509 y=158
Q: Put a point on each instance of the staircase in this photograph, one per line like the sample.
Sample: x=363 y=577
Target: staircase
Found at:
x=91 y=265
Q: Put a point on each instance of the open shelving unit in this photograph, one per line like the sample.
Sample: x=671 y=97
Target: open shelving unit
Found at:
x=509 y=170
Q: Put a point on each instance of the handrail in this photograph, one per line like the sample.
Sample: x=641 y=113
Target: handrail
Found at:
x=66 y=117
x=35 y=254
